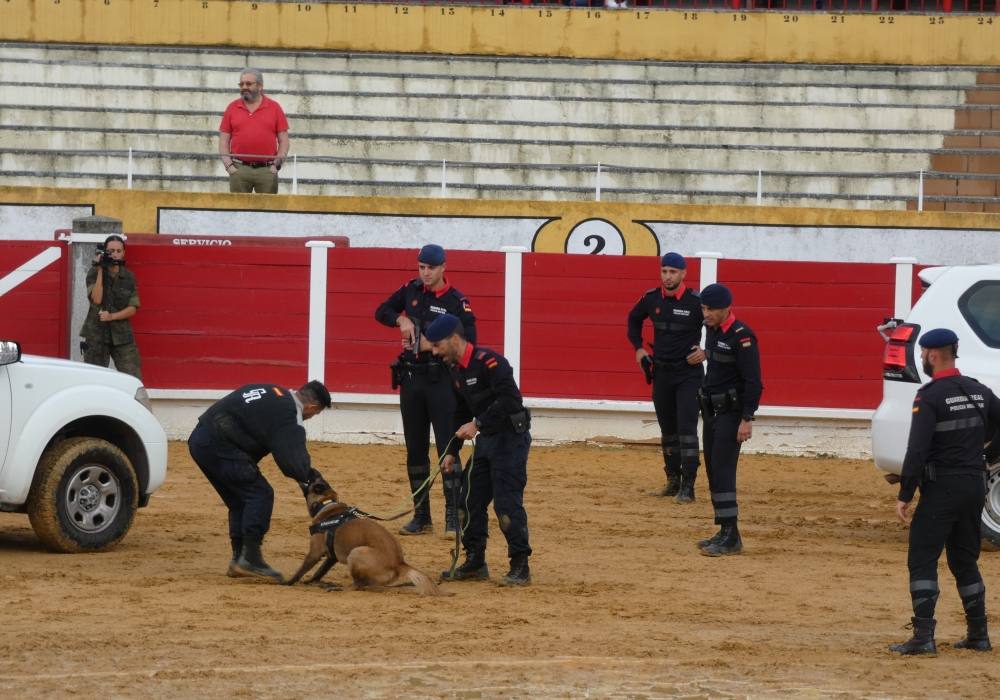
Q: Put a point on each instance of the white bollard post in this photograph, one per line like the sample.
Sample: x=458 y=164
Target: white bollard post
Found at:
x=317 y=309
x=129 y=176
x=709 y=275
x=904 y=286
x=597 y=189
x=295 y=174
x=444 y=181
x=512 y=284
x=920 y=192
x=709 y=267
x=760 y=187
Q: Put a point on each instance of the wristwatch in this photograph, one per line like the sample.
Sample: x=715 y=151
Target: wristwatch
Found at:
x=478 y=423
x=749 y=418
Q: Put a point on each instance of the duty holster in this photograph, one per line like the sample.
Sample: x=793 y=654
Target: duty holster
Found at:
x=930 y=473
x=714 y=404
x=521 y=421
x=396 y=373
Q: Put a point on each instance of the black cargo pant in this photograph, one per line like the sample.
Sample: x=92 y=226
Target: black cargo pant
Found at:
x=675 y=398
x=426 y=400
x=238 y=481
x=722 y=452
x=499 y=474
x=947 y=517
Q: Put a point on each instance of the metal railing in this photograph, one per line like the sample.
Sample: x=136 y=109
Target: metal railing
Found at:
x=797 y=6
x=758 y=187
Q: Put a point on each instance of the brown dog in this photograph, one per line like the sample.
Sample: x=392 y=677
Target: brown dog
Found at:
x=372 y=555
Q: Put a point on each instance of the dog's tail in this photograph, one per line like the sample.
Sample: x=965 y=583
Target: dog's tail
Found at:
x=420 y=580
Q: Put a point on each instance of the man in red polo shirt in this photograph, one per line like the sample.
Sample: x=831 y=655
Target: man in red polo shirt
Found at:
x=253 y=137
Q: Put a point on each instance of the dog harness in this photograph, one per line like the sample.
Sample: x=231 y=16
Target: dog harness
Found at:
x=330 y=526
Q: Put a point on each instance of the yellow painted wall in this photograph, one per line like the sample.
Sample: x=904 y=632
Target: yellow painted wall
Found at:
x=512 y=30
x=138 y=209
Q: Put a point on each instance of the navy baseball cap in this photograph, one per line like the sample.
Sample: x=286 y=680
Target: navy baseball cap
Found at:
x=431 y=254
x=675 y=260
x=442 y=327
x=938 y=338
x=716 y=296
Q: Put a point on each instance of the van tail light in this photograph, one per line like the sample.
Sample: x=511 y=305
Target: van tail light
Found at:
x=899 y=356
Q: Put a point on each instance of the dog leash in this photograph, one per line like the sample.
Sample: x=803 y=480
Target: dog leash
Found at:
x=424 y=490
x=463 y=515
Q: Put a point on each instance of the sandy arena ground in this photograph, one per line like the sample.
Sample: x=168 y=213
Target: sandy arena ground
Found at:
x=622 y=604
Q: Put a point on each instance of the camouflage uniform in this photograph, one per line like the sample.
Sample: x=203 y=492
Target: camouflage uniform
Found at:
x=112 y=339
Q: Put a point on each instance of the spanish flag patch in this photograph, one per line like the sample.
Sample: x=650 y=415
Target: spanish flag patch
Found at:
x=491 y=363
x=746 y=342
x=466 y=306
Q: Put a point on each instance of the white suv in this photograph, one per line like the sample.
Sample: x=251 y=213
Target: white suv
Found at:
x=965 y=299
x=80 y=449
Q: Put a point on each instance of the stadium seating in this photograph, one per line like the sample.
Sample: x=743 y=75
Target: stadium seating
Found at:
x=512 y=128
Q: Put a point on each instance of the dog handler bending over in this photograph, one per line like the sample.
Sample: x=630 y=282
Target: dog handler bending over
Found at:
x=489 y=404
x=232 y=436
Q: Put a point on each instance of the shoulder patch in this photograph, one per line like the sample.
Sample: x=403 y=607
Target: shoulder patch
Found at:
x=466 y=306
x=491 y=362
x=746 y=341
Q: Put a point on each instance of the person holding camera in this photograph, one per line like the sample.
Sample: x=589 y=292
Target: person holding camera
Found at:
x=114 y=299
x=425 y=395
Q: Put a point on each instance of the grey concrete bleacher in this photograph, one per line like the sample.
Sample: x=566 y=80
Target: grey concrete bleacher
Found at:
x=507 y=128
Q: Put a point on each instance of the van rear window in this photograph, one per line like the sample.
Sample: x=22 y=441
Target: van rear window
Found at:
x=980 y=305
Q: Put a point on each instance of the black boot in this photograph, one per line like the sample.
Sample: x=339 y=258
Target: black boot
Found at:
x=714 y=539
x=922 y=641
x=421 y=521
x=519 y=574
x=237 y=545
x=472 y=569
x=685 y=494
x=977 y=637
x=251 y=563
x=673 y=483
x=729 y=542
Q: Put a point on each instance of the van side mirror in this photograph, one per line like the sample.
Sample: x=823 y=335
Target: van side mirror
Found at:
x=10 y=352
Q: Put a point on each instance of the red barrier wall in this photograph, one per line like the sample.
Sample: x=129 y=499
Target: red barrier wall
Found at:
x=35 y=312
x=575 y=311
x=359 y=349
x=816 y=326
x=215 y=317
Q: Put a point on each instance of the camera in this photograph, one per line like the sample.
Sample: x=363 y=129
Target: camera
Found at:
x=107 y=259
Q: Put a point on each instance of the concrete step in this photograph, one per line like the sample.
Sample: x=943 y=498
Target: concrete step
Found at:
x=359 y=188
x=306 y=85
x=843 y=116
x=203 y=61
x=310 y=136
x=429 y=174
x=722 y=158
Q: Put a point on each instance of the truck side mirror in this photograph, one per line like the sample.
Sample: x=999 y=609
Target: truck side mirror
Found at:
x=10 y=352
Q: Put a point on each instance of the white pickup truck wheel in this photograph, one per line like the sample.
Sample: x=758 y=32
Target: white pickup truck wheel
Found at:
x=84 y=496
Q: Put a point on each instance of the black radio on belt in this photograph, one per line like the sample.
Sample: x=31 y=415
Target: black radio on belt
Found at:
x=714 y=404
x=521 y=421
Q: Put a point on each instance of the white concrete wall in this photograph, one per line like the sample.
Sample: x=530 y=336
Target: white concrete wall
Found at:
x=375 y=420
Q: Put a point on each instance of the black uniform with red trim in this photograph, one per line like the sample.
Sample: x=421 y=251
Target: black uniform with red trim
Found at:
x=487 y=393
x=233 y=435
x=731 y=393
x=951 y=416
x=677 y=322
x=425 y=396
